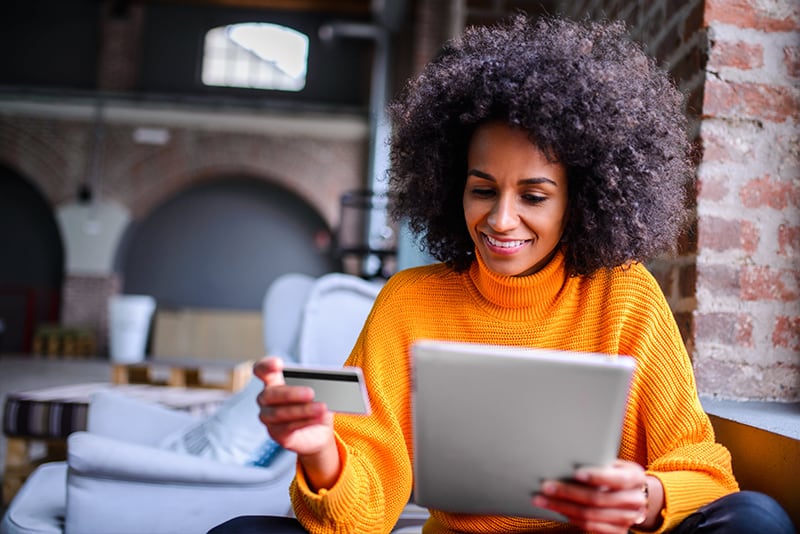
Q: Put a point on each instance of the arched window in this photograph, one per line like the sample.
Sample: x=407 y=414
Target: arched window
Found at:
x=255 y=56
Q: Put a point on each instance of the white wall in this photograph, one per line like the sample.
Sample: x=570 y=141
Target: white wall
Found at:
x=91 y=234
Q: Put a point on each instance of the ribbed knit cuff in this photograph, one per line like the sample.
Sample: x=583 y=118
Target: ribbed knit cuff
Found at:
x=334 y=502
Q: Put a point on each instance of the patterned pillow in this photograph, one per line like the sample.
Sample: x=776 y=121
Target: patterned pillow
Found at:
x=265 y=454
x=233 y=434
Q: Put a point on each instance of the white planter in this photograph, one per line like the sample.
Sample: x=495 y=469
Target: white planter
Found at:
x=129 y=325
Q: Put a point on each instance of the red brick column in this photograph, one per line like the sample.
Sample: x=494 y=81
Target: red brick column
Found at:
x=119 y=54
x=747 y=322
x=85 y=304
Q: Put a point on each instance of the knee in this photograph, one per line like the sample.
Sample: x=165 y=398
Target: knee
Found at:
x=761 y=512
x=232 y=526
x=258 y=524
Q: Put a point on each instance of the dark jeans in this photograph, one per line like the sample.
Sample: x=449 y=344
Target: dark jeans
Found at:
x=745 y=512
x=259 y=524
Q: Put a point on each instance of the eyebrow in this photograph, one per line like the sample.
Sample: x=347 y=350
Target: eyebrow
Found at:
x=529 y=181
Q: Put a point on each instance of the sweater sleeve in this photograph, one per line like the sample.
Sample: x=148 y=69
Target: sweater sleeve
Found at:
x=680 y=443
x=376 y=478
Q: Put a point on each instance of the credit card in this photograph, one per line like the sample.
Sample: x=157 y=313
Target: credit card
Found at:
x=342 y=389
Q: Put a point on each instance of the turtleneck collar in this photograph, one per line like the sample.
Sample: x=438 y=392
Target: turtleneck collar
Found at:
x=537 y=291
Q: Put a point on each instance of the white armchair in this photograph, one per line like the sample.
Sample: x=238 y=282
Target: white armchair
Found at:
x=121 y=481
x=334 y=313
x=282 y=310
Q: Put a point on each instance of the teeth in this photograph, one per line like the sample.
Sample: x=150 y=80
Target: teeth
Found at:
x=504 y=244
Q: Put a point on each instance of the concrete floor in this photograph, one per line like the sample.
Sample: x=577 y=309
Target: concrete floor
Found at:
x=25 y=372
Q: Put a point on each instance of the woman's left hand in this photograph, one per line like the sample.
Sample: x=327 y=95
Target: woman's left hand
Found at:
x=606 y=499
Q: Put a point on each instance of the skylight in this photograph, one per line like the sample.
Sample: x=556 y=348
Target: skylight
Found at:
x=255 y=56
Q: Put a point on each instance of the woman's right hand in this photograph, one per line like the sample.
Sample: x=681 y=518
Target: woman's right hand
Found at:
x=291 y=416
x=298 y=424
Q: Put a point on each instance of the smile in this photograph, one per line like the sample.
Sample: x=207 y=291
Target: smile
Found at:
x=505 y=244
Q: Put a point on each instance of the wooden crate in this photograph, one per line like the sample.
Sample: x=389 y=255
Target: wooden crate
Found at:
x=209 y=335
x=55 y=340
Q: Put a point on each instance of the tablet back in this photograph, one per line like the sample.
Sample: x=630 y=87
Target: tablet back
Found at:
x=490 y=423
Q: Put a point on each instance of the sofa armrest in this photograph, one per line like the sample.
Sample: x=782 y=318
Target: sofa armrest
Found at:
x=128 y=419
x=38 y=507
x=101 y=456
x=127 y=488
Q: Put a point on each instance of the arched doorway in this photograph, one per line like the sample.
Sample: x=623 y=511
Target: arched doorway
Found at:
x=221 y=243
x=32 y=270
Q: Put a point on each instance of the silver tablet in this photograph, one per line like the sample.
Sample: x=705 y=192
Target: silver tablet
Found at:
x=492 y=422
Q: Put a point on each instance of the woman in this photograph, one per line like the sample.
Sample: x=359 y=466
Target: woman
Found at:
x=540 y=163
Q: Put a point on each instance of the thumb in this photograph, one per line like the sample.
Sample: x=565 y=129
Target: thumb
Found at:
x=270 y=371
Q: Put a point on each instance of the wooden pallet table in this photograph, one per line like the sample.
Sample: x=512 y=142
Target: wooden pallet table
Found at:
x=184 y=372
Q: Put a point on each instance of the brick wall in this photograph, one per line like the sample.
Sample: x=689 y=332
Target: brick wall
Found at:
x=748 y=288
x=121 y=26
x=85 y=304
x=55 y=154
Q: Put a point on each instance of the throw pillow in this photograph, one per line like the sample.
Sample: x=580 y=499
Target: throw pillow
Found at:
x=233 y=434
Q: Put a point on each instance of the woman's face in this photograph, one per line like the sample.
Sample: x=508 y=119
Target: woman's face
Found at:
x=515 y=200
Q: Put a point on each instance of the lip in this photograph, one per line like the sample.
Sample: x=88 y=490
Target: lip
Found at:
x=504 y=246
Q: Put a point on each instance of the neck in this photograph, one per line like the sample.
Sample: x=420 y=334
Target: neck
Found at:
x=538 y=290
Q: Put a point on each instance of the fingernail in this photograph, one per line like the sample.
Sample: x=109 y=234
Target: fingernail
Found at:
x=548 y=487
x=581 y=476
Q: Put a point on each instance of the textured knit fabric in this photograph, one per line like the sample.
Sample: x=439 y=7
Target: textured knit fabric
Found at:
x=620 y=311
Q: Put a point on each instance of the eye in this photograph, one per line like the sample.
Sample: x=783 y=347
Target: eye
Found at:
x=533 y=199
x=482 y=192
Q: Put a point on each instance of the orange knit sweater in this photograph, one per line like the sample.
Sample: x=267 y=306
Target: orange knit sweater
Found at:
x=615 y=312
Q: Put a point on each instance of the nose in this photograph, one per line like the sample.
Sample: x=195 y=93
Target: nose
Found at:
x=503 y=216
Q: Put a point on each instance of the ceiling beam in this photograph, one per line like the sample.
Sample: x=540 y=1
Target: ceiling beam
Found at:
x=361 y=7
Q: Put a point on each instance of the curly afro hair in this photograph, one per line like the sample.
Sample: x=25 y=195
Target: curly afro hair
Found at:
x=588 y=96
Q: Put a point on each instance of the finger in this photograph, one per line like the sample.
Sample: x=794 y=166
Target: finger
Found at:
x=606 y=520
x=598 y=526
x=594 y=497
x=285 y=434
x=600 y=520
x=622 y=474
x=292 y=426
x=281 y=415
x=270 y=370
x=280 y=395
